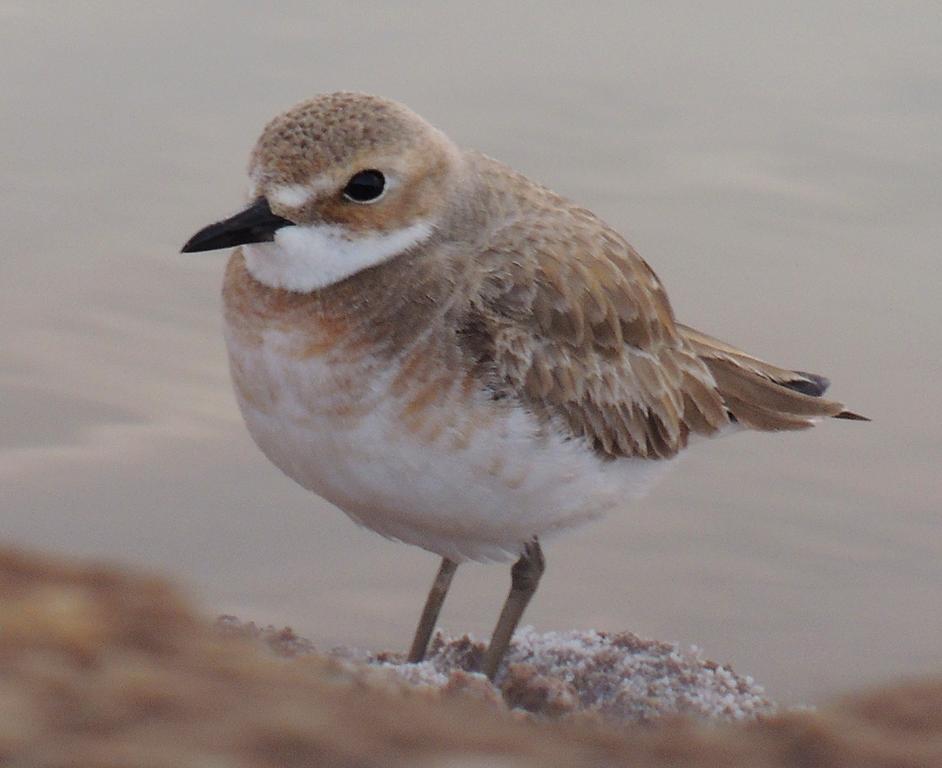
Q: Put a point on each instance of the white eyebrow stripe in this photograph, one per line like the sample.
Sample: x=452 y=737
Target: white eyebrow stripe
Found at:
x=298 y=195
x=291 y=195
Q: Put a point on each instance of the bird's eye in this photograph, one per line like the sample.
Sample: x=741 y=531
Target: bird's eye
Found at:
x=365 y=187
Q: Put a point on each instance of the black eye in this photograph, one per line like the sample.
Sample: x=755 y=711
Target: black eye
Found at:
x=365 y=186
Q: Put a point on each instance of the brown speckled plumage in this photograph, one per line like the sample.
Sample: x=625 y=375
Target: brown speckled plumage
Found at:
x=457 y=357
x=516 y=300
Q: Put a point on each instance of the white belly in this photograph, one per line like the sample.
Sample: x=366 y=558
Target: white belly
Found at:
x=473 y=487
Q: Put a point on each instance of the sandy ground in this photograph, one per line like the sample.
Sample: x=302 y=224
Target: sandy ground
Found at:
x=102 y=667
x=618 y=677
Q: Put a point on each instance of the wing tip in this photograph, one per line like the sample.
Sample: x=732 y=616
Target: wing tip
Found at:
x=810 y=384
x=851 y=416
x=815 y=385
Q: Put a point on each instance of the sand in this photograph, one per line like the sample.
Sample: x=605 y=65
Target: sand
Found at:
x=106 y=667
x=619 y=677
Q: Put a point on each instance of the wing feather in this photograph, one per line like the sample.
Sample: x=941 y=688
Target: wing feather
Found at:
x=577 y=327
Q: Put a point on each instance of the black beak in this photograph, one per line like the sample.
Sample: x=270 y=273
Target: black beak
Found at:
x=256 y=224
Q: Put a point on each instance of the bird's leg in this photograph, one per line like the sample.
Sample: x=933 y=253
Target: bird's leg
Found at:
x=433 y=606
x=524 y=578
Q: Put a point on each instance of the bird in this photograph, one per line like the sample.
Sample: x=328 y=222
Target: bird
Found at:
x=457 y=357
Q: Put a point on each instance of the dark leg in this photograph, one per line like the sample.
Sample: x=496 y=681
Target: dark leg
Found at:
x=433 y=606
x=524 y=578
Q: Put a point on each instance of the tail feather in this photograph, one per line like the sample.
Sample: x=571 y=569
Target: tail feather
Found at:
x=763 y=396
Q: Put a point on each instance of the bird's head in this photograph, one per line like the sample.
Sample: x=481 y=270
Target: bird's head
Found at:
x=340 y=183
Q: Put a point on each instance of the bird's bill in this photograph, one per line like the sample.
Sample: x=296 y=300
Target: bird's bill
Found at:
x=256 y=224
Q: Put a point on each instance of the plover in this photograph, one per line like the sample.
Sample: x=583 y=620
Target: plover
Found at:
x=457 y=357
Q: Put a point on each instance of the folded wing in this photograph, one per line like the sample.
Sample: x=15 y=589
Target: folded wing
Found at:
x=577 y=328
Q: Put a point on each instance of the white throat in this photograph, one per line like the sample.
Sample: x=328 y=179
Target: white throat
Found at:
x=305 y=258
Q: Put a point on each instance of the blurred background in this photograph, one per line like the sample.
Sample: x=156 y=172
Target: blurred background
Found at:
x=778 y=164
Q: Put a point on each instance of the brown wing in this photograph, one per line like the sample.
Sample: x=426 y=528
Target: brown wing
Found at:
x=578 y=328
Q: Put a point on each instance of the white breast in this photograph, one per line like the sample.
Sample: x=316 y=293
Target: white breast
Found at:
x=477 y=485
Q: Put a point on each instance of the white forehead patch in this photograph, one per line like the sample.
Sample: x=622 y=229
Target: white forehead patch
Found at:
x=290 y=195
x=297 y=195
x=305 y=258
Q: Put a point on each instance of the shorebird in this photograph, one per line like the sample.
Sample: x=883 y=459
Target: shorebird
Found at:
x=457 y=357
